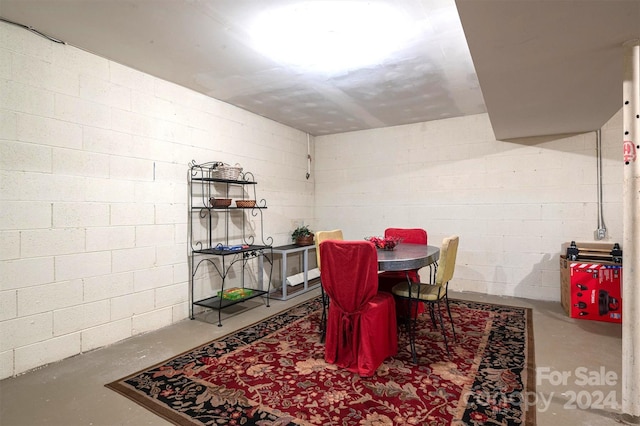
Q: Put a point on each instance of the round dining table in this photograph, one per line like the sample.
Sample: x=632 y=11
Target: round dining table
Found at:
x=405 y=257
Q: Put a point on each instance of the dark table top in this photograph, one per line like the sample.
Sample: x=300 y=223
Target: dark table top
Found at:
x=407 y=256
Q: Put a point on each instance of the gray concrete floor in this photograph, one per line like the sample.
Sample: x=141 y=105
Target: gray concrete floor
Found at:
x=71 y=392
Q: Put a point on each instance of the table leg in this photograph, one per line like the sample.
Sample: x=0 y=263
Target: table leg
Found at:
x=305 y=268
x=412 y=320
x=284 y=275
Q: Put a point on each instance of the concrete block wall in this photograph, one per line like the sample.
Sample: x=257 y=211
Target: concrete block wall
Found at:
x=512 y=203
x=93 y=211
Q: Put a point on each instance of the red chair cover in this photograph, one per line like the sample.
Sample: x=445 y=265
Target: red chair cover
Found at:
x=408 y=235
x=361 y=323
x=387 y=279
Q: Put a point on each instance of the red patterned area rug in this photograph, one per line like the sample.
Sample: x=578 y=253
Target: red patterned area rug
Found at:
x=274 y=373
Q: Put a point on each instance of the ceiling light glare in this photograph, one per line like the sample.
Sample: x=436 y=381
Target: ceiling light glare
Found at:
x=331 y=36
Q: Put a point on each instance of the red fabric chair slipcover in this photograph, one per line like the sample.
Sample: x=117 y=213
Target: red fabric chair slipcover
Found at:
x=387 y=279
x=408 y=235
x=361 y=324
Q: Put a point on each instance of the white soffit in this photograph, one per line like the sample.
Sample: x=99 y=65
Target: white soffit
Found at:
x=549 y=67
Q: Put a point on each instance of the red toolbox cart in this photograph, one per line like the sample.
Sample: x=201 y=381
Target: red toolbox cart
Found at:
x=591 y=281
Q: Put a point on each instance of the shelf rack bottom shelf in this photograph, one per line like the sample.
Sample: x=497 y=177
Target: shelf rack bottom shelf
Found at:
x=217 y=303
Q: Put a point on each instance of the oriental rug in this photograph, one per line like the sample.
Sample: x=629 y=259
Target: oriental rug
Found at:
x=274 y=373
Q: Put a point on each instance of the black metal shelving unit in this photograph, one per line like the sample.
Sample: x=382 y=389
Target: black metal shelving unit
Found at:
x=224 y=255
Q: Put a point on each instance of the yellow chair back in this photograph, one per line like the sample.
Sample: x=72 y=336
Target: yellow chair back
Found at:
x=447 y=261
x=321 y=236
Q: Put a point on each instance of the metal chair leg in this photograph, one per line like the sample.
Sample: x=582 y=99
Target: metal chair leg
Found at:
x=446 y=298
x=432 y=315
x=413 y=325
x=444 y=333
x=323 y=320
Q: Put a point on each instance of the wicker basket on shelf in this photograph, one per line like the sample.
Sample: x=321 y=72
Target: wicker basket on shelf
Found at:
x=243 y=204
x=225 y=171
x=220 y=202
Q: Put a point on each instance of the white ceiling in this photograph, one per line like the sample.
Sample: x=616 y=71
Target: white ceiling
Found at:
x=544 y=66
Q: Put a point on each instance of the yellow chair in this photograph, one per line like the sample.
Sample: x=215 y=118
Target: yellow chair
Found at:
x=321 y=236
x=432 y=293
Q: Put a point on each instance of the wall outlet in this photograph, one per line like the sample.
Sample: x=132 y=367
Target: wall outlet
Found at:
x=600 y=233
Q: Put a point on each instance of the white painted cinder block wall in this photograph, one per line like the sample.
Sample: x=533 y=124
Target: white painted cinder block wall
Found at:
x=93 y=215
x=512 y=203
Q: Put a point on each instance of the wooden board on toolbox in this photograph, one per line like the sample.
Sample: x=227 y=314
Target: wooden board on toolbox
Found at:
x=592 y=251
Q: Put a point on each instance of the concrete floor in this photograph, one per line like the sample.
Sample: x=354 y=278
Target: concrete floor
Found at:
x=71 y=392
